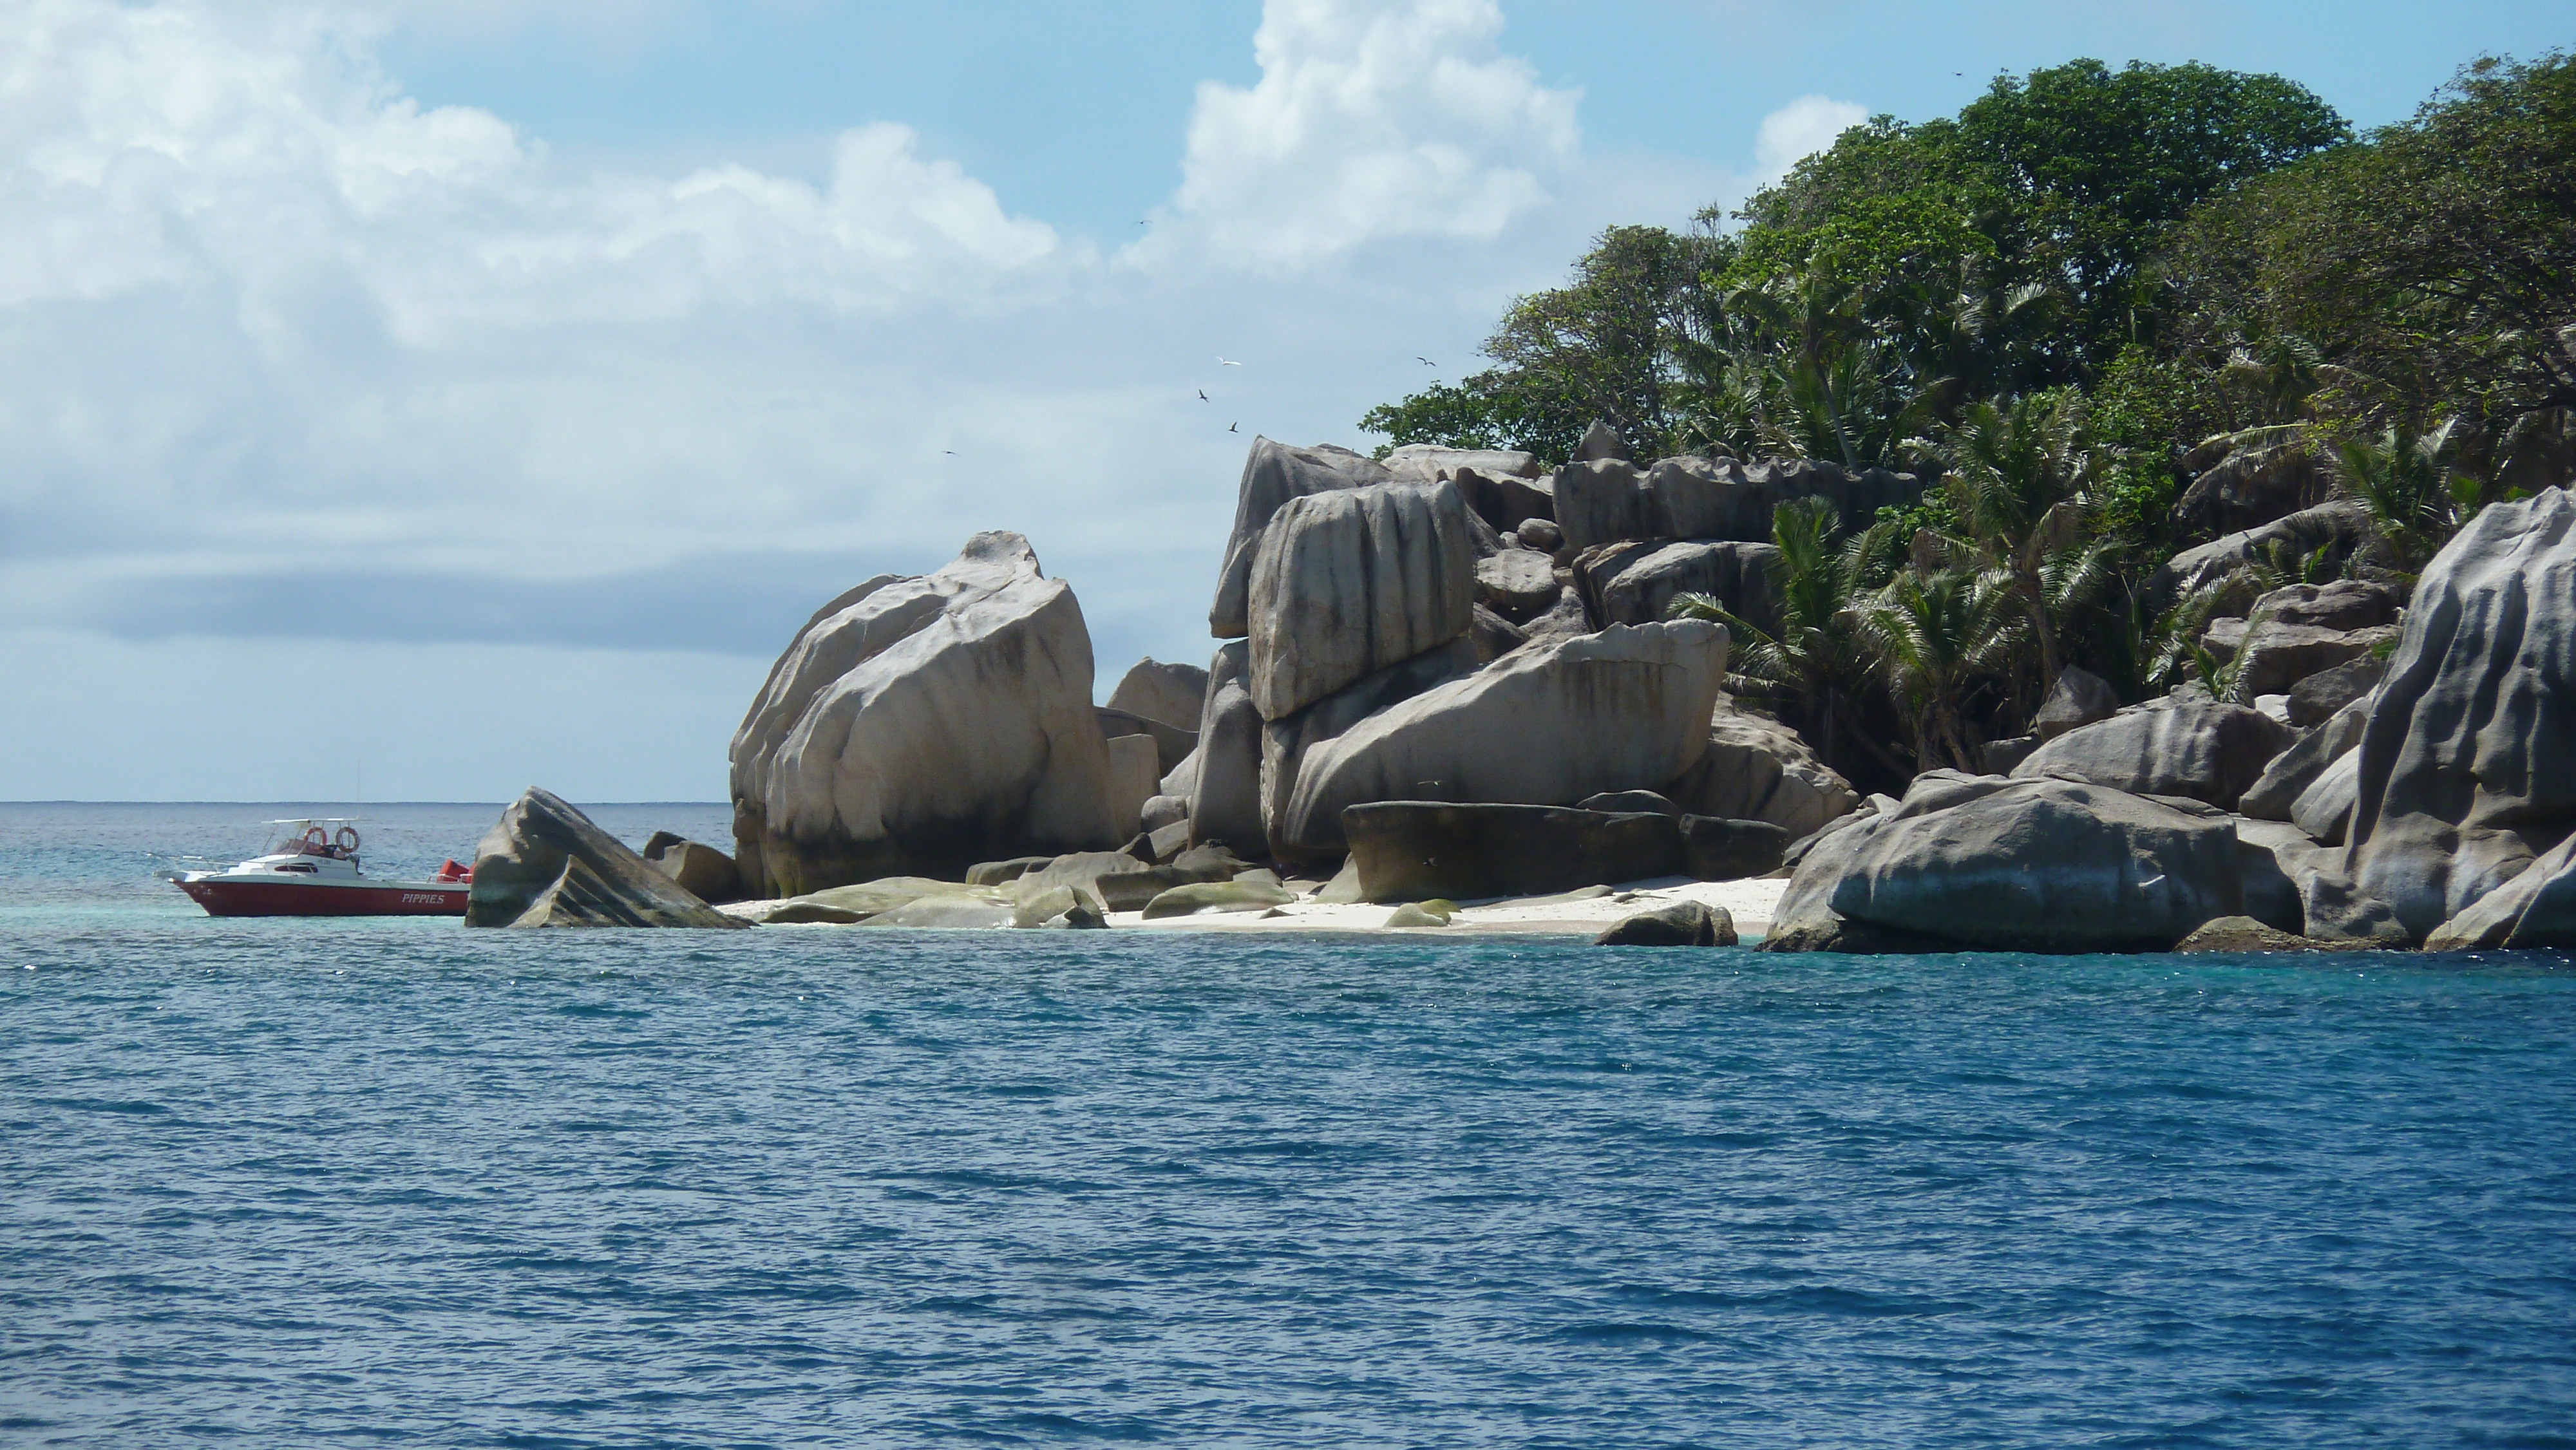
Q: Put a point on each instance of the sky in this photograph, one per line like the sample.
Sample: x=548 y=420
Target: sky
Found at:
x=422 y=401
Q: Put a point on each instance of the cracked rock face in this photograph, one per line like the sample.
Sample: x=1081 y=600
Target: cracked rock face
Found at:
x=1273 y=474
x=1352 y=581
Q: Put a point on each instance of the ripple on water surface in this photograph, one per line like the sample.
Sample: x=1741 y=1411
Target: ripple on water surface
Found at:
x=279 y=1185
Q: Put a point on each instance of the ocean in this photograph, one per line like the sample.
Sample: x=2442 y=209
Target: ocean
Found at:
x=289 y=1183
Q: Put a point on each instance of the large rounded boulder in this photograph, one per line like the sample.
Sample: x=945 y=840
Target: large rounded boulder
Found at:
x=1548 y=724
x=2187 y=747
x=1273 y=474
x=2467 y=767
x=925 y=725
x=1994 y=864
x=1350 y=582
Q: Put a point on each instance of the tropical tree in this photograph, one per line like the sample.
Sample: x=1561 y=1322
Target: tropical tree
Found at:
x=1939 y=636
x=2017 y=471
x=2408 y=482
x=1810 y=666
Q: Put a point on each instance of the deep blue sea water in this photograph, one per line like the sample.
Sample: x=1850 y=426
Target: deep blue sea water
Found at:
x=394 y=1183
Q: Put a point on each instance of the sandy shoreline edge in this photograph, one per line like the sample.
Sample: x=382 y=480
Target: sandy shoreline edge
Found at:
x=1750 y=903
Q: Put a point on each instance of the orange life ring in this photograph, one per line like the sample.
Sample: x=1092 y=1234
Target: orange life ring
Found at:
x=314 y=842
x=347 y=840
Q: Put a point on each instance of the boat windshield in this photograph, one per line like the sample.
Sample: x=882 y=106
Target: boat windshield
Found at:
x=332 y=837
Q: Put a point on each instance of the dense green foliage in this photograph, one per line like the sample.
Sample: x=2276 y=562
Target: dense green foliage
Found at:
x=2114 y=313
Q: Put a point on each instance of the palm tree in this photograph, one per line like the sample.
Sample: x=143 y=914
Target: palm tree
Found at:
x=1938 y=635
x=2407 y=483
x=1813 y=668
x=2018 y=470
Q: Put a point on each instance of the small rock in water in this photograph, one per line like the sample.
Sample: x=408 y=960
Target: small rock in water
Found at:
x=799 y=913
x=2245 y=934
x=1682 y=924
x=1078 y=917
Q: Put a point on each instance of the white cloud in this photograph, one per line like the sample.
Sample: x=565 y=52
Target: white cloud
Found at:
x=1372 y=119
x=286 y=354
x=1799 y=130
x=174 y=145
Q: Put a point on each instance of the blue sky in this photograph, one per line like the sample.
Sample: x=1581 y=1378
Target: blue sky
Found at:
x=507 y=380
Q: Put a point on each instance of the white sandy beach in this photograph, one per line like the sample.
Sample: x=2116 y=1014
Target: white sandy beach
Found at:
x=1749 y=902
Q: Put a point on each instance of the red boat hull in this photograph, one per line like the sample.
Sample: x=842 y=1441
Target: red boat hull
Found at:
x=280 y=898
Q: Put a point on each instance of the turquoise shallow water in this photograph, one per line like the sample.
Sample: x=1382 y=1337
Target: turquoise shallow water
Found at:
x=296 y=1183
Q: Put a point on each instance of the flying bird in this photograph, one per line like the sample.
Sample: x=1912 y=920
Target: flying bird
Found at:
x=1227 y=362
x=1230 y=427
x=1426 y=362
x=1203 y=397
x=951 y=452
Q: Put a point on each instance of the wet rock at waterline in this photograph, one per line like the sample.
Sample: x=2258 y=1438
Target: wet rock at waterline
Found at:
x=1997 y=864
x=545 y=864
x=2536 y=909
x=2243 y=934
x=703 y=871
x=1682 y=924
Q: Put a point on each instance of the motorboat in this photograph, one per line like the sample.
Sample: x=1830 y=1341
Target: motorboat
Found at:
x=311 y=869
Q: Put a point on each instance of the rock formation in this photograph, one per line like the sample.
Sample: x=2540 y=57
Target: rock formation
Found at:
x=702 y=871
x=1757 y=769
x=1273 y=474
x=1225 y=801
x=1545 y=725
x=2187 y=747
x=1349 y=582
x=2079 y=698
x=2338 y=526
x=1286 y=741
x=2465 y=774
x=2001 y=864
x=1416 y=850
x=1635 y=582
x=1173 y=695
x=2291 y=772
x=545 y=864
x=925 y=725
x=1682 y=924
x=1518 y=584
